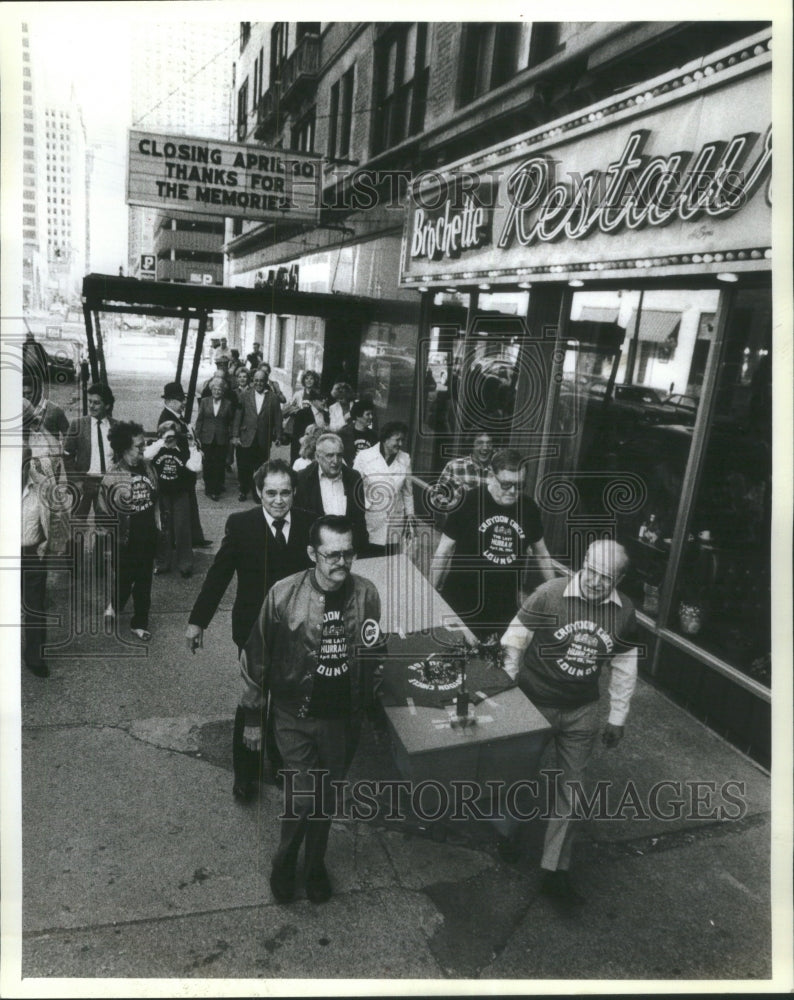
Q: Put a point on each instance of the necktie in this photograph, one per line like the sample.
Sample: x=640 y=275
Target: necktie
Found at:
x=101 y=447
x=278 y=527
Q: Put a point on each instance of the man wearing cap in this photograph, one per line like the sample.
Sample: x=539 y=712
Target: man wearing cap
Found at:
x=555 y=647
x=86 y=451
x=174 y=400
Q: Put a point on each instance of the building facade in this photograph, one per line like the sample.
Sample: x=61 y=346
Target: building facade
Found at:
x=35 y=277
x=560 y=233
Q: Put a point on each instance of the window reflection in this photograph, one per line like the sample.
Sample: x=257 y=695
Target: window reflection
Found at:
x=629 y=391
x=722 y=596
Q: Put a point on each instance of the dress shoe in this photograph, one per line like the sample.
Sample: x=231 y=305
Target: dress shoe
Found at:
x=557 y=885
x=243 y=496
x=318 y=885
x=282 y=882
x=39 y=669
x=203 y=544
x=243 y=791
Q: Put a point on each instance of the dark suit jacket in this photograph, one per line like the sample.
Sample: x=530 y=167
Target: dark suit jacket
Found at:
x=261 y=428
x=211 y=429
x=166 y=414
x=77 y=446
x=244 y=550
x=309 y=496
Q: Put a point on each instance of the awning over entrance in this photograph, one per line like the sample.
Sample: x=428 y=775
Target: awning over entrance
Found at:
x=107 y=293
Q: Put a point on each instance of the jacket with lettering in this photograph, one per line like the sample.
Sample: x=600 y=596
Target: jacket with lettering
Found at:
x=281 y=652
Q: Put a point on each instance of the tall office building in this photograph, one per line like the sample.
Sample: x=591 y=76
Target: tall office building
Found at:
x=66 y=173
x=34 y=257
x=182 y=81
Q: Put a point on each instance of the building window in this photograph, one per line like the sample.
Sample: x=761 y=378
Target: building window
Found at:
x=242 y=110
x=493 y=52
x=303 y=28
x=303 y=134
x=401 y=84
x=279 y=40
x=245 y=33
x=341 y=116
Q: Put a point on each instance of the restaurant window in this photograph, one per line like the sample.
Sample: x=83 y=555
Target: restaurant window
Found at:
x=493 y=52
x=242 y=110
x=628 y=377
x=387 y=366
x=279 y=40
x=721 y=600
x=340 y=115
x=303 y=134
x=402 y=75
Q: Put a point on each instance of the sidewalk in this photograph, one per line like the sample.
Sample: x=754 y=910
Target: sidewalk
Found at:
x=138 y=862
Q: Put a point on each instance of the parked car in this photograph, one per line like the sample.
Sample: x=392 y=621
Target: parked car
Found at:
x=63 y=358
x=683 y=409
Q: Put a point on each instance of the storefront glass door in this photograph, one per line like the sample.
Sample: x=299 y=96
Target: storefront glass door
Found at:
x=628 y=379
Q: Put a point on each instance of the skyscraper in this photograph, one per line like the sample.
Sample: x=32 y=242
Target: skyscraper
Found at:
x=34 y=257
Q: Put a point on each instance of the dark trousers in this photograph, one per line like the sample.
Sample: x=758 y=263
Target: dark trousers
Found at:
x=174 y=537
x=34 y=594
x=89 y=492
x=305 y=745
x=249 y=765
x=196 y=532
x=214 y=467
x=248 y=461
x=134 y=576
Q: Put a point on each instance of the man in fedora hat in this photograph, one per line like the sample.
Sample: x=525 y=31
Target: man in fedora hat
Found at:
x=173 y=408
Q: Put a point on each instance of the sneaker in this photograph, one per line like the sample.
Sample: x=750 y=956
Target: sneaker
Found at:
x=557 y=885
x=318 y=885
x=143 y=633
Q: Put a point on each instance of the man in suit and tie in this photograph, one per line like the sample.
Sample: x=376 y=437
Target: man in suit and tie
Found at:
x=86 y=452
x=257 y=424
x=213 y=424
x=262 y=546
x=328 y=486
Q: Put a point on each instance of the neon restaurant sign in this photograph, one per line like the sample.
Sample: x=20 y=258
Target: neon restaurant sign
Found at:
x=685 y=183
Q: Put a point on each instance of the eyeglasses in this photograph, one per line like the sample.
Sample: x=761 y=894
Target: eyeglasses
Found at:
x=348 y=555
x=508 y=486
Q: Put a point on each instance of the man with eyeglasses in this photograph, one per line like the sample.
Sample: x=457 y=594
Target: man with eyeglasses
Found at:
x=556 y=647
x=314 y=648
x=482 y=564
x=261 y=545
x=328 y=486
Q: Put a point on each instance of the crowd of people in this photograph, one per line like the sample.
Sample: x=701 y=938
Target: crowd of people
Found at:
x=306 y=628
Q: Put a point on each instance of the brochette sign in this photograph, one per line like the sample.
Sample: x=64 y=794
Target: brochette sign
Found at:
x=675 y=182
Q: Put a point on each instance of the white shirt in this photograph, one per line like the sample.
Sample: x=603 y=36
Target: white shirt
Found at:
x=381 y=482
x=259 y=399
x=95 y=468
x=333 y=494
x=32 y=530
x=337 y=417
x=285 y=529
x=216 y=405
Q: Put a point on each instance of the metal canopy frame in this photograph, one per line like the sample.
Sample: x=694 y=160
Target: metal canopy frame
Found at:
x=108 y=293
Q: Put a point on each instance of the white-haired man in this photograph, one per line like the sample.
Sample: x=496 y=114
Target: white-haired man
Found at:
x=555 y=647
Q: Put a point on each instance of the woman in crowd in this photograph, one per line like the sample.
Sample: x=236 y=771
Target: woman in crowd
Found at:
x=128 y=494
x=388 y=493
x=339 y=414
x=308 y=445
x=313 y=411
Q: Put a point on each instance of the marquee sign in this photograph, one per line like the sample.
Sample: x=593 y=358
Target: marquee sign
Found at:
x=673 y=178
x=207 y=177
